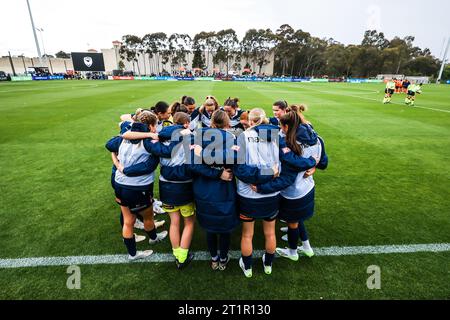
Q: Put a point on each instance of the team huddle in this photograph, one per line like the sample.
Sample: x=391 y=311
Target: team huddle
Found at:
x=402 y=86
x=221 y=166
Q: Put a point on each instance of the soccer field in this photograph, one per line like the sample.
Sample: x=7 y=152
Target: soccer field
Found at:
x=387 y=184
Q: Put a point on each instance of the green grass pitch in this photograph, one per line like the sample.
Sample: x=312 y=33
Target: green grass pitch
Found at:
x=387 y=184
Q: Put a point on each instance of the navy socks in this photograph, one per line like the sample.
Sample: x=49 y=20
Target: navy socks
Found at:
x=268 y=260
x=131 y=246
x=302 y=229
x=211 y=239
x=152 y=234
x=224 y=245
x=293 y=235
x=224 y=240
x=248 y=261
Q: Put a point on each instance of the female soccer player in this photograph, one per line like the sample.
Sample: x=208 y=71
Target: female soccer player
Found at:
x=177 y=196
x=125 y=125
x=189 y=102
x=279 y=109
x=244 y=121
x=413 y=89
x=161 y=109
x=133 y=193
x=389 y=91
x=231 y=107
x=215 y=190
x=259 y=148
x=203 y=114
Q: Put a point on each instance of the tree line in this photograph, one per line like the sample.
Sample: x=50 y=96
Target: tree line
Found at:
x=296 y=53
x=222 y=49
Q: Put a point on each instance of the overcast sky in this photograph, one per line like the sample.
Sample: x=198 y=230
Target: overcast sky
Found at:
x=83 y=24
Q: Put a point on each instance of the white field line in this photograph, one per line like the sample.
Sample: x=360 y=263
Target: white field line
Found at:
x=204 y=256
x=378 y=100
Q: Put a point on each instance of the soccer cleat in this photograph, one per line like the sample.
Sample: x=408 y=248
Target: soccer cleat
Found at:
x=138 y=238
x=247 y=272
x=267 y=269
x=308 y=253
x=139 y=225
x=215 y=265
x=284 y=229
x=223 y=265
x=159 y=223
x=284 y=238
x=140 y=255
x=188 y=260
x=159 y=237
x=157 y=208
x=286 y=254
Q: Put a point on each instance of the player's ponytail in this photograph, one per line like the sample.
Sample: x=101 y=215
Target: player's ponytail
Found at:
x=174 y=107
x=257 y=116
x=299 y=109
x=232 y=102
x=292 y=121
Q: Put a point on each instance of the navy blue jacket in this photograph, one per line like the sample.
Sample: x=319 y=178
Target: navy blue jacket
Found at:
x=274 y=121
x=215 y=199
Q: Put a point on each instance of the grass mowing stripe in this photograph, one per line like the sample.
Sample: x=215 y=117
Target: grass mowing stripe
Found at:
x=205 y=256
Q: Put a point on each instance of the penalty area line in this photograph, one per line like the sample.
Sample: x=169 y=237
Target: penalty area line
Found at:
x=204 y=255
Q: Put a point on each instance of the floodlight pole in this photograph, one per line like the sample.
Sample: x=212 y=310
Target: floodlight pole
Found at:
x=42 y=39
x=34 y=33
x=444 y=59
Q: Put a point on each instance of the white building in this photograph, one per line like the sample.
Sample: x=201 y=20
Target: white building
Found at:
x=145 y=65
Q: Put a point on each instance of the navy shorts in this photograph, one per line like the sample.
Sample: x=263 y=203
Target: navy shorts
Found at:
x=245 y=218
x=258 y=209
x=135 y=200
x=293 y=211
